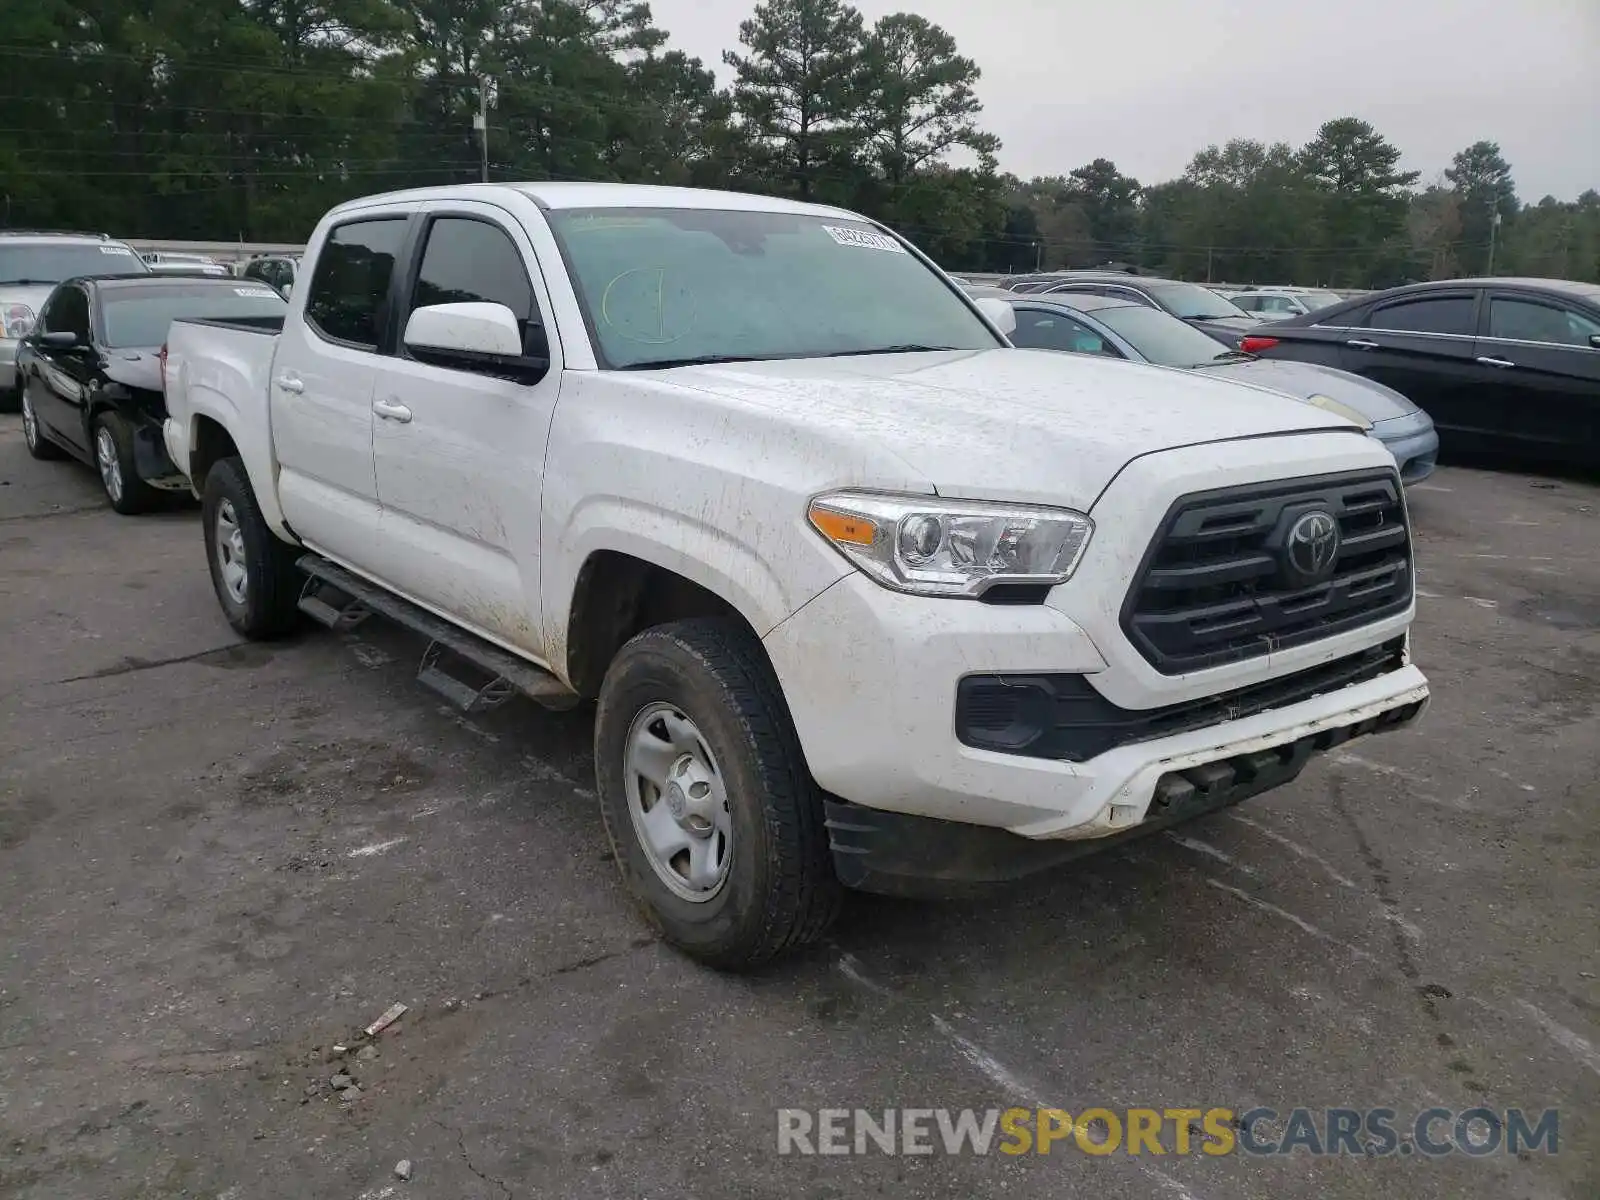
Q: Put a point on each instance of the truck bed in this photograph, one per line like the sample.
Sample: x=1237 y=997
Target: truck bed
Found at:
x=221 y=369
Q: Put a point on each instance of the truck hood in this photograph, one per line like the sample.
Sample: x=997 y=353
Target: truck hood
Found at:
x=1023 y=425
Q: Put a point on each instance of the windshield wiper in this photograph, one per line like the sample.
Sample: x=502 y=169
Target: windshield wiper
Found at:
x=1228 y=356
x=693 y=360
x=905 y=348
x=28 y=282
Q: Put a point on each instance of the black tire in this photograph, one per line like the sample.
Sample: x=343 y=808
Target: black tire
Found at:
x=272 y=584
x=780 y=890
x=125 y=491
x=33 y=435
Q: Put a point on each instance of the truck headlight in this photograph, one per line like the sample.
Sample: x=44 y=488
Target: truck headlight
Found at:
x=16 y=321
x=935 y=547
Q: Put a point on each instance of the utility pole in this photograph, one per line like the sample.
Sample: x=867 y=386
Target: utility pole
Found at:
x=1494 y=226
x=480 y=121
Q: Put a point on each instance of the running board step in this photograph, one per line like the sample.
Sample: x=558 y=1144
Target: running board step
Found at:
x=330 y=606
x=449 y=647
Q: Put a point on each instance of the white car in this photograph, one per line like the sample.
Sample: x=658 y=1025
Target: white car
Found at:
x=31 y=264
x=1273 y=304
x=866 y=596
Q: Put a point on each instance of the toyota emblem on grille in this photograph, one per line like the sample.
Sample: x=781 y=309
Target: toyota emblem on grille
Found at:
x=1312 y=545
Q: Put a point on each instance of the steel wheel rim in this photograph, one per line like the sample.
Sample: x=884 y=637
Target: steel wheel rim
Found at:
x=105 y=453
x=678 y=802
x=230 y=553
x=30 y=426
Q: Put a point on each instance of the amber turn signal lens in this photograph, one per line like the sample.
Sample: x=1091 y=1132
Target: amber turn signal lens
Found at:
x=843 y=527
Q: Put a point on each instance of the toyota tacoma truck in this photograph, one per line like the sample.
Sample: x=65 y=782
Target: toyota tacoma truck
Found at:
x=865 y=596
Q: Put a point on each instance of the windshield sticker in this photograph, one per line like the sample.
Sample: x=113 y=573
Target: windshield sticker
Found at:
x=122 y=250
x=863 y=240
x=256 y=293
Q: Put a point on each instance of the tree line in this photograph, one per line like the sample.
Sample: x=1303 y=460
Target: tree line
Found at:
x=247 y=119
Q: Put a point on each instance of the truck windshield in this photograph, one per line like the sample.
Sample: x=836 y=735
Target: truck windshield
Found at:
x=138 y=314
x=663 y=287
x=43 y=262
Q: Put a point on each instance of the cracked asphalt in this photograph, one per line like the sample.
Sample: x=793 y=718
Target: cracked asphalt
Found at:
x=219 y=861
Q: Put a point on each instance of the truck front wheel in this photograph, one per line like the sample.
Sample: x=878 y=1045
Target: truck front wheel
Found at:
x=252 y=571
x=714 y=820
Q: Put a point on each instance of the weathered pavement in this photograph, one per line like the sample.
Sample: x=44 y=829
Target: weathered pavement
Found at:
x=218 y=860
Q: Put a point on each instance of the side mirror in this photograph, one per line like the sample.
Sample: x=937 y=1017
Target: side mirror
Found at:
x=476 y=336
x=288 y=289
x=1000 y=313
x=1594 y=340
x=60 y=340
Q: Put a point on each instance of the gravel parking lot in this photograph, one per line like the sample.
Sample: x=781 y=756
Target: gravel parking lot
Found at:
x=217 y=861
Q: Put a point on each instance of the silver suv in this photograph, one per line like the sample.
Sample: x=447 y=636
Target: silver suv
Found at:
x=31 y=264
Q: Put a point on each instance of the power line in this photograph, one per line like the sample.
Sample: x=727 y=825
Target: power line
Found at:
x=306 y=173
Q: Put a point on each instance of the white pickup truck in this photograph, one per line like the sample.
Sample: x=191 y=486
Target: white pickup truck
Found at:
x=867 y=597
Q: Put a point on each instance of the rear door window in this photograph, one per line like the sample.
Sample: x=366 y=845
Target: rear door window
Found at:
x=1427 y=314
x=349 y=293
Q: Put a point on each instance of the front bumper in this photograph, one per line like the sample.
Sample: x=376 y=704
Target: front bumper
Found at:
x=878 y=726
x=1414 y=443
x=898 y=854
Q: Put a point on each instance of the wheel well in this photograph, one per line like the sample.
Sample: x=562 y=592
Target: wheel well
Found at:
x=212 y=444
x=618 y=596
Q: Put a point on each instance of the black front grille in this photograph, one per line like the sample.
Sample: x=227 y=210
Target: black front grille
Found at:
x=1214 y=587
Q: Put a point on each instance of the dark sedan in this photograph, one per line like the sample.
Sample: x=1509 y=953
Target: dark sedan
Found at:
x=1499 y=364
x=91 y=373
x=1199 y=306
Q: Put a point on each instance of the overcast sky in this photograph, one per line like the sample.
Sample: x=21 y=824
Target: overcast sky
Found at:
x=1146 y=83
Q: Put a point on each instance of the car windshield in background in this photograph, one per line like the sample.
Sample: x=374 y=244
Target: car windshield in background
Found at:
x=1193 y=302
x=46 y=263
x=139 y=316
x=1161 y=337
x=1315 y=300
x=668 y=286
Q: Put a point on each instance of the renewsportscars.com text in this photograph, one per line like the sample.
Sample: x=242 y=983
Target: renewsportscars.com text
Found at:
x=1364 y=1133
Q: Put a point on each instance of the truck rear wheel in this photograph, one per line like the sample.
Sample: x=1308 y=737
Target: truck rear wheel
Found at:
x=252 y=571
x=714 y=820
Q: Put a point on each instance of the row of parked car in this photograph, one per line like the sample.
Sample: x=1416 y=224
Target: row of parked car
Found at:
x=85 y=322
x=280 y=270
x=1491 y=365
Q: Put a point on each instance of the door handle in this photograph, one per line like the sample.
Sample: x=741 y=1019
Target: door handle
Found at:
x=391 y=410
x=1361 y=344
x=290 y=383
x=1495 y=362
